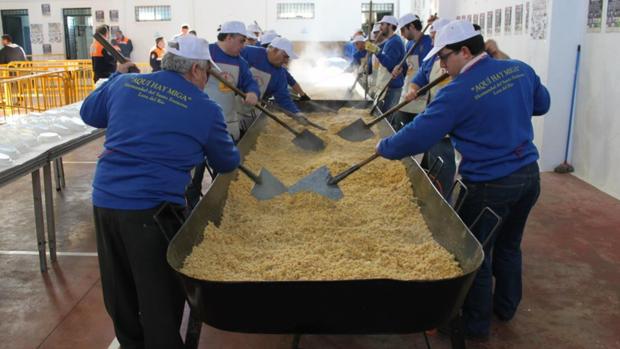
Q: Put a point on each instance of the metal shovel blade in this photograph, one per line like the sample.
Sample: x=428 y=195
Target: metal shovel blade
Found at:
x=317 y=182
x=308 y=141
x=356 y=132
x=268 y=187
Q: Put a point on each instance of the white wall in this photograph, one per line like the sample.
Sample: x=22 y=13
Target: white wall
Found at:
x=596 y=147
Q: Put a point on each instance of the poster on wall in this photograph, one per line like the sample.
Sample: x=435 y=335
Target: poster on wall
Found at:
x=595 y=15
x=482 y=22
x=99 y=16
x=498 y=21
x=47 y=49
x=113 y=15
x=490 y=23
x=527 y=16
x=36 y=33
x=519 y=19
x=46 y=9
x=476 y=19
x=508 y=20
x=54 y=32
x=613 y=16
x=539 y=19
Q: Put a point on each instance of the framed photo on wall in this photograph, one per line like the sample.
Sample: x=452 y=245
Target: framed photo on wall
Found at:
x=113 y=15
x=46 y=9
x=99 y=16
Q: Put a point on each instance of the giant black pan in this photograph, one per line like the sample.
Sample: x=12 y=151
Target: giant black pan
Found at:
x=330 y=307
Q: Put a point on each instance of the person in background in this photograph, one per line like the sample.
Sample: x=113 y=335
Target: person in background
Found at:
x=267 y=66
x=123 y=43
x=411 y=30
x=430 y=70
x=193 y=32
x=149 y=150
x=104 y=63
x=252 y=39
x=389 y=57
x=487 y=109
x=157 y=54
x=184 y=31
x=10 y=51
x=226 y=54
x=268 y=37
x=254 y=32
x=349 y=47
x=376 y=37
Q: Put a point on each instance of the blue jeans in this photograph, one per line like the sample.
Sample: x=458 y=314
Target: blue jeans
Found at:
x=512 y=198
x=391 y=98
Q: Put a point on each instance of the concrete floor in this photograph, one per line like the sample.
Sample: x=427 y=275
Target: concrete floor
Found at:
x=571 y=268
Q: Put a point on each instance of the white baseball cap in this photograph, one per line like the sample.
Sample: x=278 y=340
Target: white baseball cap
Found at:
x=358 y=38
x=438 y=24
x=390 y=20
x=285 y=45
x=268 y=37
x=451 y=33
x=406 y=19
x=251 y=35
x=191 y=47
x=233 y=27
x=253 y=27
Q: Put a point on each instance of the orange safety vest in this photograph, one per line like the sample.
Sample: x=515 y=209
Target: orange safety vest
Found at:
x=158 y=51
x=96 y=49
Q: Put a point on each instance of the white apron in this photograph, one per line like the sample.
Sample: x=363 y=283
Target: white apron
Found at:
x=436 y=72
x=416 y=106
x=225 y=97
x=262 y=79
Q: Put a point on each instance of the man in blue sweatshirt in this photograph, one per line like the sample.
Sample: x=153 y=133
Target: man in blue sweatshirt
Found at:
x=158 y=127
x=267 y=66
x=487 y=110
x=389 y=57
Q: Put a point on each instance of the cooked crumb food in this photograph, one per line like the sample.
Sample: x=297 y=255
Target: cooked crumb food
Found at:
x=375 y=232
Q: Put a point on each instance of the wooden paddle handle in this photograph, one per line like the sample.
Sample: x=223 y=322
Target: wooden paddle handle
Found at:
x=351 y=170
x=112 y=51
x=250 y=174
x=420 y=92
x=258 y=105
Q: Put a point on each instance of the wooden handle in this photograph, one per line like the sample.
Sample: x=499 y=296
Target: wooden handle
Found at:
x=420 y=92
x=258 y=105
x=250 y=174
x=111 y=50
x=339 y=177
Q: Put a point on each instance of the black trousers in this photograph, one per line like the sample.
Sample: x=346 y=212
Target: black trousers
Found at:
x=141 y=292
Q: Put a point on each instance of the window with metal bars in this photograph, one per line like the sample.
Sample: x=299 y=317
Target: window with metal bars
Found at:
x=295 y=10
x=153 y=13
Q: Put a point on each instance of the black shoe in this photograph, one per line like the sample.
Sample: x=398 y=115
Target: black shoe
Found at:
x=503 y=318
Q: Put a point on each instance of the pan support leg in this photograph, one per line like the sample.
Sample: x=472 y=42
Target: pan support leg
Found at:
x=457 y=332
x=192 y=335
x=296 y=340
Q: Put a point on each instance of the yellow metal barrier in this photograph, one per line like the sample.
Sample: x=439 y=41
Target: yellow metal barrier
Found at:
x=43 y=91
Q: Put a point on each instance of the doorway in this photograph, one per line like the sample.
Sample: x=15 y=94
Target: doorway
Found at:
x=78 y=24
x=17 y=25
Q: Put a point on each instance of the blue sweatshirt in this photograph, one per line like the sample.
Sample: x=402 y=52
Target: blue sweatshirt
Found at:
x=392 y=53
x=423 y=76
x=425 y=46
x=159 y=126
x=277 y=87
x=246 y=82
x=290 y=80
x=357 y=57
x=487 y=111
x=349 y=51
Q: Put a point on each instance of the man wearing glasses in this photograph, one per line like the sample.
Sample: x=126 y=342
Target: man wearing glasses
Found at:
x=486 y=109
